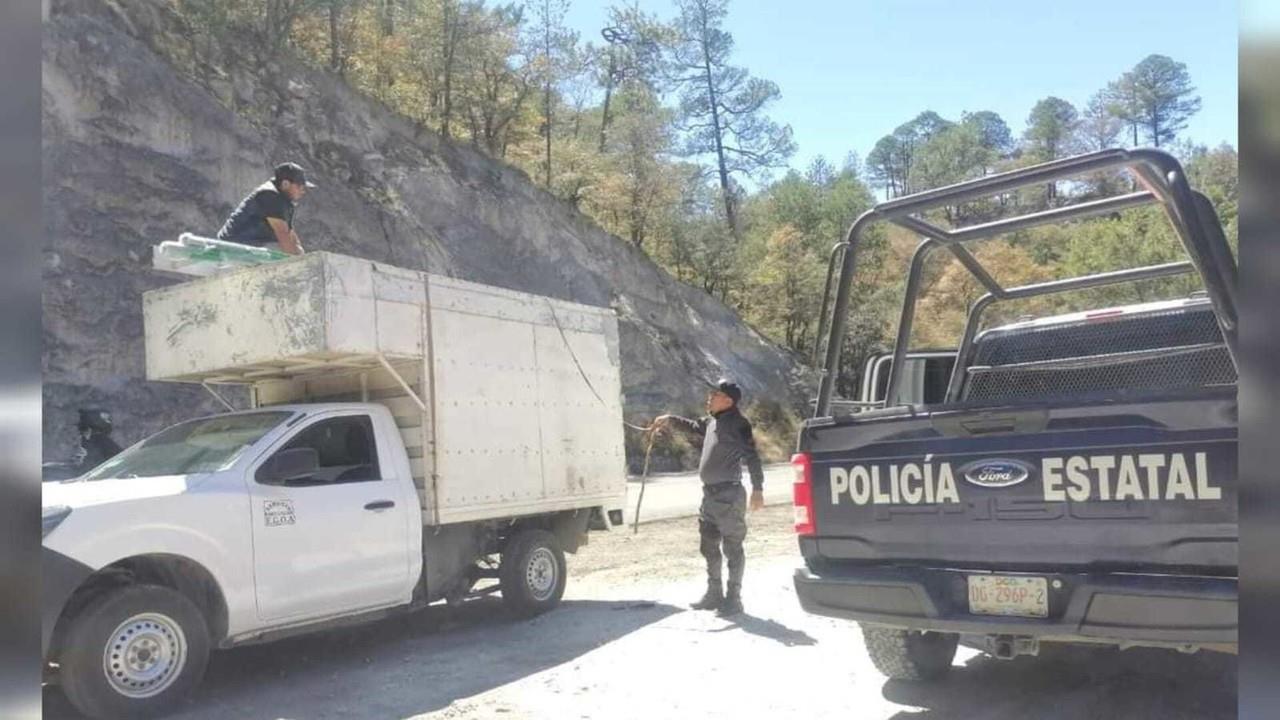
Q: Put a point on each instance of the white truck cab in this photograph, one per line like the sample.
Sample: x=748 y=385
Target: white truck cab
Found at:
x=484 y=448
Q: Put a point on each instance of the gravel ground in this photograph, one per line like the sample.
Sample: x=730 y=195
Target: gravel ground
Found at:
x=624 y=645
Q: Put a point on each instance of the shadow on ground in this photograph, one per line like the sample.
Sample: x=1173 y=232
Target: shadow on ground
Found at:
x=399 y=667
x=1070 y=682
x=770 y=629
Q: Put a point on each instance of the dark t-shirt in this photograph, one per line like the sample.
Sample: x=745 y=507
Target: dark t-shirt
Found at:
x=247 y=224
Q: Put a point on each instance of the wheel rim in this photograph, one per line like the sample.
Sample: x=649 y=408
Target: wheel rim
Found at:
x=540 y=574
x=145 y=655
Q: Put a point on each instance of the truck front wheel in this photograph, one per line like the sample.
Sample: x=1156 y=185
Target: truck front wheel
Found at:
x=134 y=652
x=910 y=654
x=533 y=573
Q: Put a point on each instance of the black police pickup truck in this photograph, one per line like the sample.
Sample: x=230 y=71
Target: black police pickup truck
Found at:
x=1075 y=481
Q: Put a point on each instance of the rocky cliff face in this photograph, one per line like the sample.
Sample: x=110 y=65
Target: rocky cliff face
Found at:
x=144 y=139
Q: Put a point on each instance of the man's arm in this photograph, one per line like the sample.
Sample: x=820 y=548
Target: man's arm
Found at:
x=696 y=428
x=754 y=467
x=285 y=235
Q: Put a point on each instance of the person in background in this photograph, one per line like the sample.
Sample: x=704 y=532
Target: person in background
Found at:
x=96 y=444
x=265 y=217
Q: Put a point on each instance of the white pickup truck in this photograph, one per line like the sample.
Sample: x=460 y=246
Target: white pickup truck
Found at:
x=411 y=438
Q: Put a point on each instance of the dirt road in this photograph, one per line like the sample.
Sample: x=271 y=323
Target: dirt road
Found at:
x=624 y=646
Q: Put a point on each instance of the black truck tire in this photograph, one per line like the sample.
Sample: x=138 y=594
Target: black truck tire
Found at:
x=533 y=573
x=910 y=654
x=133 y=652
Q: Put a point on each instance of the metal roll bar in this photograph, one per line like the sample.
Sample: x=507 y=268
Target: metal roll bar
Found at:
x=1191 y=214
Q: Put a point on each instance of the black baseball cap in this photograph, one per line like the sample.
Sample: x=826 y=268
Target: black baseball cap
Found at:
x=94 y=419
x=730 y=388
x=292 y=172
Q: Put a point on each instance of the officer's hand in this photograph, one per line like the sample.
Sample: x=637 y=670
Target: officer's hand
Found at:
x=757 y=500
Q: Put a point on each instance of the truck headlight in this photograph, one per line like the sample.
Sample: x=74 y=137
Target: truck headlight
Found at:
x=51 y=517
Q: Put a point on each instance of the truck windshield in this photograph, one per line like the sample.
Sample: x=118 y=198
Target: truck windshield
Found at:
x=196 y=446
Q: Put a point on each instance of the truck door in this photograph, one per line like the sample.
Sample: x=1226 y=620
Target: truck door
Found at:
x=334 y=541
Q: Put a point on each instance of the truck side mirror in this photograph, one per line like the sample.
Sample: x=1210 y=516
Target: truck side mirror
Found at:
x=289 y=465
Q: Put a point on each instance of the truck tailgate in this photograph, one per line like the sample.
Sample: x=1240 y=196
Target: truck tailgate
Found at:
x=1122 y=487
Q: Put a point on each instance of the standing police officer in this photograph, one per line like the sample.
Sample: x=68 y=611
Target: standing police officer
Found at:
x=727 y=442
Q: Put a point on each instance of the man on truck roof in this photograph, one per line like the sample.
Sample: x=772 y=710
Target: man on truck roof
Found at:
x=727 y=442
x=265 y=217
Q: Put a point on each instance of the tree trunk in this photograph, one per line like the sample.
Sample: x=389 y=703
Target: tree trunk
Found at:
x=449 y=42
x=729 y=213
x=546 y=97
x=335 y=51
x=546 y=114
x=608 y=95
x=388 y=18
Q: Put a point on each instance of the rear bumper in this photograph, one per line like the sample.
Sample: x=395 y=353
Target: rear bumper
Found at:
x=1089 y=606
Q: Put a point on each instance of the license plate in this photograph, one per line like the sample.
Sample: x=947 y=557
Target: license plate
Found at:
x=1008 y=595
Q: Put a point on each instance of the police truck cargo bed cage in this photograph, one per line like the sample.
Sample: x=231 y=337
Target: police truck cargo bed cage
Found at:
x=1076 y=481
x=1190 y=213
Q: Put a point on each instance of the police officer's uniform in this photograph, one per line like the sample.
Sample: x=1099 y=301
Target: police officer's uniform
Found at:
x=727 y=442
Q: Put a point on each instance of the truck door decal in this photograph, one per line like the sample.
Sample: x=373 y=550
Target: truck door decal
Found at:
x=1080 y=478
x=277 y=512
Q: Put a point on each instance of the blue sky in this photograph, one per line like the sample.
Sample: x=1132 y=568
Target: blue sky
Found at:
x=852 y=71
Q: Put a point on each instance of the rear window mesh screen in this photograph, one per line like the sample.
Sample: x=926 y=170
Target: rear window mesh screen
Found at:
x=1148 y=331
x=1130 y=356
x=1203 y=367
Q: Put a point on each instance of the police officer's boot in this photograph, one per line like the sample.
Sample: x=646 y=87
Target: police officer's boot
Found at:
x=732 y=604
x=713 y=598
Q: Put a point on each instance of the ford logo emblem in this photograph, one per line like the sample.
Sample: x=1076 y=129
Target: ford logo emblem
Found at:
x=996 y=473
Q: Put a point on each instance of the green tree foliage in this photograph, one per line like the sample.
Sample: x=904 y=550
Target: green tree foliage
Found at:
x=1099 y=129
x=792 y=226
x=887 y=166
x=1154 y=100
x=993 y=132
x=1216 y=173
x=653 y=132
x=787 y=280
x=635 y=196
x=1051 y=127
x=890 y=163
x=633 y=56
x=554 y=49
x=1161 y=98
x=721 y=105
x=954 y=155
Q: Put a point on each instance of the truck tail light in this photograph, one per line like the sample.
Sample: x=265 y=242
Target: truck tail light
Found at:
x=803 y=494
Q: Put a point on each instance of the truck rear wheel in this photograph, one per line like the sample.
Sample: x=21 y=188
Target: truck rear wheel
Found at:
x=133 y=652
x=533 y=573
x=910 y=654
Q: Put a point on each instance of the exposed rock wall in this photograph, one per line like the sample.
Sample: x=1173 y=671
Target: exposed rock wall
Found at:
x=143 y=139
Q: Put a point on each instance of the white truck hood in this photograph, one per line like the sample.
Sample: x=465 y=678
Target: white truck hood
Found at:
x=79 y=494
